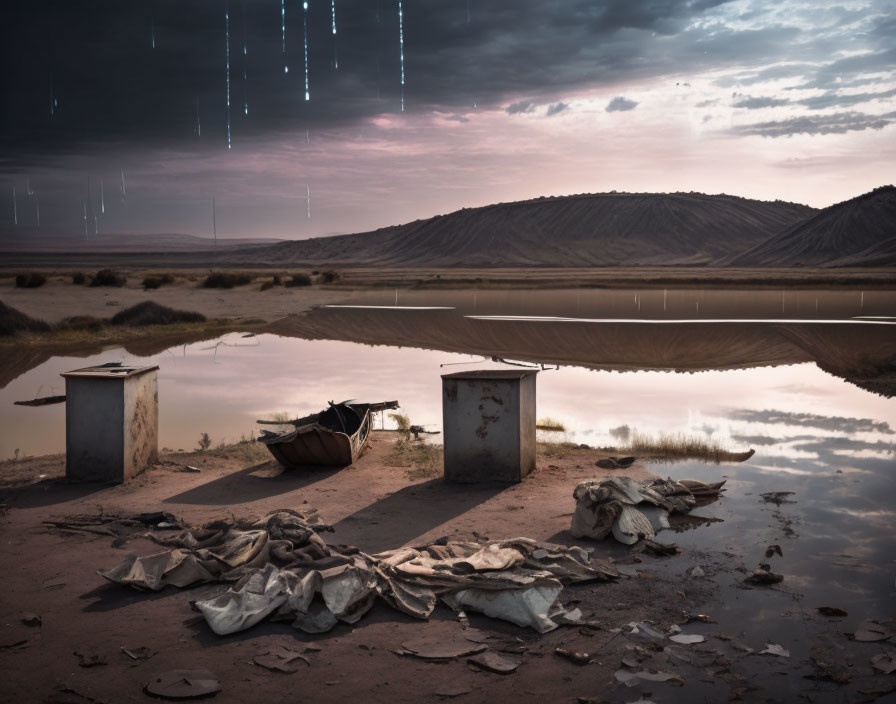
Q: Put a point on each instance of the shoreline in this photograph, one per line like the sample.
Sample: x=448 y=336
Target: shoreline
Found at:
x=365 y=278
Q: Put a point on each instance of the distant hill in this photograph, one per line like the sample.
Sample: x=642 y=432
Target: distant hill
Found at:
x=24 y=239
x=609 y=229
x=857 y=232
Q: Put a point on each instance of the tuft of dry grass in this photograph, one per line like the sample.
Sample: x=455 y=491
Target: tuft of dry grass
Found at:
x=422 y=460
x=678 y=446
x=402 y=421
x=549 y=424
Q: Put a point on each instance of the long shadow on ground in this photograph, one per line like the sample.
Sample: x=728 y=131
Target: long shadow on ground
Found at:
x=253 y=483
x=409 y=513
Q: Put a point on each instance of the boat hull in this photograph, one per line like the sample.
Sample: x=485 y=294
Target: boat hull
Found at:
x=316 y=445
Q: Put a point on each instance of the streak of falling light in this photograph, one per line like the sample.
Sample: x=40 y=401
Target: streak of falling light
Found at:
x=152 y=30
x=401 y=49
x=124 y=190
x=468 y=11
x=102 y=198
x=333 y=22
x=245 y=61
x=227 y=63
x=282 y=26
x=198 y=129
x=305 y=25
x=308 y=186
x=84 y=207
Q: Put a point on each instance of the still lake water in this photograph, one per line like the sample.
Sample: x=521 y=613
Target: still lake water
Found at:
x=790 y=374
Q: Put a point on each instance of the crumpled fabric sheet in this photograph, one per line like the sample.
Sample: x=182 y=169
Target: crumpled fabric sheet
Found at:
x=632 y=510
x=282 y=568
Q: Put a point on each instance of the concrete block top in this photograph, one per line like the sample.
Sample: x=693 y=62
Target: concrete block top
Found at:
x=492 y=374
x=109 y=371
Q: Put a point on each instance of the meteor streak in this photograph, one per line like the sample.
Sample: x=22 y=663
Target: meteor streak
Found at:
x=227 y=62
x=333 y=23
x=401 y=49
x=305 y=22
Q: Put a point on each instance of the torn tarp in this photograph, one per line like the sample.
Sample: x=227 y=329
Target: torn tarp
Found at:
x=281 y=566
x=632 y=510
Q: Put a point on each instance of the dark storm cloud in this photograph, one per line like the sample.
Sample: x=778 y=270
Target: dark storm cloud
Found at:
x=114 y=90
x=621 y=104
x=838 y=123
x=812 y=420
x=520 y=106
x=556 y=108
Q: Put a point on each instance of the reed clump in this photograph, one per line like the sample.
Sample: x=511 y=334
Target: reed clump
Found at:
x=549 y=424
x=679 y=446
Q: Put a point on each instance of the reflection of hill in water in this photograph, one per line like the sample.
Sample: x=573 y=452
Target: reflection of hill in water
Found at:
x=862 y=354
x=22 y=358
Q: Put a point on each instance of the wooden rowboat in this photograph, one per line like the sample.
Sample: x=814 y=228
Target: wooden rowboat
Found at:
x=335 y=437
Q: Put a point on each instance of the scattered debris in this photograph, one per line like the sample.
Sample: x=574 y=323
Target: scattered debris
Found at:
x=774 y=649
x=832 y=611
x=495 y=662
x=116 y=525
x=885 y=662
x=43 y=401
x=655 y=548
x=183 y=684
x=188 y=468
x=645 y=629
x=615 y=462
x=573 y=656
x=451 y=691
x=878 y=691
x=772 y=550
x=697 y=571
x=90 y=660
x=703 y=618
x=30 y=619
x=633 y=679
x=141 y=653
x=66 y=695
x=871 y=631
x=13 y=644
x=764 y=576
x=687 y=639
x=777 y=497
x=441 y=647
x=632 y=510
x=281 y=659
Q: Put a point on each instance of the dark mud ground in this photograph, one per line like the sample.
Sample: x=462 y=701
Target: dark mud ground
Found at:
x=377 y=505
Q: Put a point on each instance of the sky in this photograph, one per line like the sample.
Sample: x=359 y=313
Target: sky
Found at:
x=501 y=101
